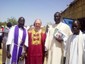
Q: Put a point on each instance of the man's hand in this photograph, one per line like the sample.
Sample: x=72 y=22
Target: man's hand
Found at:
x=46 y=54
x=22 y=57
x=8 y=55
x=59 y=39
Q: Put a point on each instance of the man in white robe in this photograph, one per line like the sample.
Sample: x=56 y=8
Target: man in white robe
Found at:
x=74 y=47
x=15 y=43
x=54 y=44
x=84 y=50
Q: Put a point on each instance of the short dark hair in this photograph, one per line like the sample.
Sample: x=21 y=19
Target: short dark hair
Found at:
x=77 y=22
x=21 y=18
x=57 y=14
x=9 y=24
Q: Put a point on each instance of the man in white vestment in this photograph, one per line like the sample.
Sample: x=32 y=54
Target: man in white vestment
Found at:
x=74 y=47
x=56 y=37
x=84 y=50
x=17 y=40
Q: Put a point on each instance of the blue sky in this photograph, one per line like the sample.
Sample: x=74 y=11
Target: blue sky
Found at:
x=32 y=9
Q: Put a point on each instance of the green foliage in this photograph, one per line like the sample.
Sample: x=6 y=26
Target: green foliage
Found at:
x=2 y=23
x=12 y=20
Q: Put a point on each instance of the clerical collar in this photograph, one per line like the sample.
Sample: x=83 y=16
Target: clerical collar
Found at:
x=21 y=27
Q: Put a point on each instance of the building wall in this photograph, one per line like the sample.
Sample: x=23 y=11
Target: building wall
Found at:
x=75 y=10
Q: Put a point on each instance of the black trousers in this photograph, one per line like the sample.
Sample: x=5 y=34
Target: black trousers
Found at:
x=0 y=41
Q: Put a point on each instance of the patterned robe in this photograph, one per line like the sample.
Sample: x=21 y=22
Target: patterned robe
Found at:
x=36 y=46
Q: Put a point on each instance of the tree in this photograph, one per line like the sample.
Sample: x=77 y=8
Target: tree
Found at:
x=12 y=20
x=2 y=24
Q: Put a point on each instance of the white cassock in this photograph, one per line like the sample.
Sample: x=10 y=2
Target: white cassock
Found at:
x=10 y=41
x=55 y=48
x=74 y=49
x=84 y=50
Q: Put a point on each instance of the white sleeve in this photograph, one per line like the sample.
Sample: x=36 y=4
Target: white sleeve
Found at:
x=10 y=36
x=47 y=41
x=68 y=43
x=26 y=40
x=84 y=42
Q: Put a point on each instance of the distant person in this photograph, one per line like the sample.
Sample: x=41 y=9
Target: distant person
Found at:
x=74 y=47
x=4 y=40
x=56 y=37
x=47 y=28
x=16 y=43
x=1 y=34
x=36 y=43
x=2 y=27
x=27 y=27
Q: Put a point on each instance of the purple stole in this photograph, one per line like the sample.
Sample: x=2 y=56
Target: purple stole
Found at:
x=15 y=57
